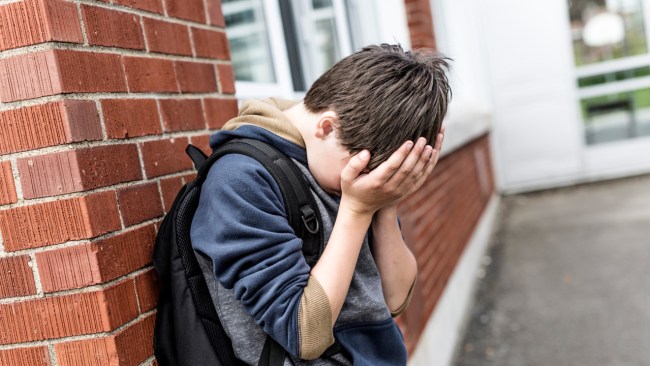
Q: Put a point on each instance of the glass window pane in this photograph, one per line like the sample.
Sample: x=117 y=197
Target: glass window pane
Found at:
x=326 y=45
x=617 y=116
x=318 y=39
x=605 y=30
x=249 y=45
x=317 y=4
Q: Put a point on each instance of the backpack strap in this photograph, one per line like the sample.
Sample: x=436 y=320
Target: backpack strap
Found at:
x=302 y=212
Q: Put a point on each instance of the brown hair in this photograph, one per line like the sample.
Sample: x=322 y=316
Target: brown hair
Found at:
x=383 y=97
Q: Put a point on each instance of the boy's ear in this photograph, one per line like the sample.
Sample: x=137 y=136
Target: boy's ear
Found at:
x=327 y=122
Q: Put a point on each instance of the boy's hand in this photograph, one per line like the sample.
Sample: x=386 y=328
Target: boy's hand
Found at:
x=404 y=172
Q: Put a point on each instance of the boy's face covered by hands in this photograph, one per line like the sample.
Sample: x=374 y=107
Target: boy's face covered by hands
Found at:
x=403 y=173
x=343 y=174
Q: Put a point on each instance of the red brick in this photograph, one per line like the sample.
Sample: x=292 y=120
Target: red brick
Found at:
x=170 y=188
x=68 y=315
x=154 y=6
x=69 y=267
x=219 y=111
x=7 y=187
x=226 y=79
x=139 y=203
x=56 y=222
x=186 y=9
x=48 y=124
x=211 y=44
x=95 y=351
x=196 y=77
x=36 y=21
x=166 y=37
x=59 y=71
x=182 y=114
x=90 y=72
x=135 y=343
x=108 y=27
x=126 y=252
x=150 y=75
x=128 y=347
x=29 y=76
x=32 y=356
x=146 y=286
x=97 y=262
x=17 y=277
x=215 y=13
x=165 y=157
x=78 y=170
x=203 y=143
x=126 y=118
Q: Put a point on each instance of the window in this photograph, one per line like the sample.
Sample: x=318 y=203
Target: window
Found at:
x=246 y=29
x=280 y=47
x=610 y=44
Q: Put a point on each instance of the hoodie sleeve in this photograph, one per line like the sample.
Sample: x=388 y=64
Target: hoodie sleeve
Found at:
x=241 y=224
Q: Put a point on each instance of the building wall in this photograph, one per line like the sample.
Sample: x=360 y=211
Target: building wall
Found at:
x=98 y=100
x=437 y=222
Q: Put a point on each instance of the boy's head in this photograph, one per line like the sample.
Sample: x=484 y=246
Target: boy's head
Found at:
x=382 y=97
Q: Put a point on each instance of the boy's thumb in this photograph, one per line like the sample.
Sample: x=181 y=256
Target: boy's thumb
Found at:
x=356 y=165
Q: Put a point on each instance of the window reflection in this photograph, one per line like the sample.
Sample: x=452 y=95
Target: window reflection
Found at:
x=318 y=38
x=249 y=45
x=606 y=30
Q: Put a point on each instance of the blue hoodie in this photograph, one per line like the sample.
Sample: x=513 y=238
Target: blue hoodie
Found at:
x=257 y=274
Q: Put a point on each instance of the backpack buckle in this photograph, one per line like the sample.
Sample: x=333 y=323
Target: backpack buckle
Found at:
x=309 y=219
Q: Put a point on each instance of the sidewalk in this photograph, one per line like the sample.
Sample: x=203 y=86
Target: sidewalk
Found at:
x=567 y=280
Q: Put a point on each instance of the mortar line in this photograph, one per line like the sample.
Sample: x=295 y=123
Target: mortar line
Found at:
x=58 y=45
x=102 y=124
x=17 y=183
x=53 y=360
x=8 y=106
x=37 y=276
x=81 y=23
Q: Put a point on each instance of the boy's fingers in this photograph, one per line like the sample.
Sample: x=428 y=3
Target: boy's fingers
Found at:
x=355 y=166
x=425 y=159
x=386 y=169
x=409 y=164
x=428 y=168
x=439 y=139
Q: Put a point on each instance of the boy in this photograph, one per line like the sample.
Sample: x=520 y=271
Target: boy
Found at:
x=360 y=138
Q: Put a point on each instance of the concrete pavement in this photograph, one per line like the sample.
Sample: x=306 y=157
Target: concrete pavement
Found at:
x=566 y=280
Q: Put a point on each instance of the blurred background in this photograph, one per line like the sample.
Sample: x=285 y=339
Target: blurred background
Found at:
x=532 y=235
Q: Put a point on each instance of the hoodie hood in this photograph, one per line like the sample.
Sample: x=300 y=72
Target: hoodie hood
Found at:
x=263 y=120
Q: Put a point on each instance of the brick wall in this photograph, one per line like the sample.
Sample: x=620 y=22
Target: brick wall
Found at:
x=420 y=23
x=437 y=222
x=98 y=100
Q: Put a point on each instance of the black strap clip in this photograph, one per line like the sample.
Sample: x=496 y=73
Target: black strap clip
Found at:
x=309 y=219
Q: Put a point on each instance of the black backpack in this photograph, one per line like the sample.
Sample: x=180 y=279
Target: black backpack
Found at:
x=188 y=330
